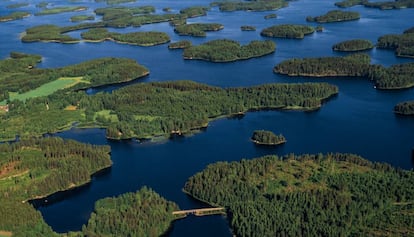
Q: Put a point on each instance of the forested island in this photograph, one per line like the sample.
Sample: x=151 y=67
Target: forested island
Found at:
x=247 y=28
x=19 y=75
x=258 y=5
x=309 y=195
x=403 y=44
x=263 y=137
x=149 y=38
x=288 y=31
x=58 y=10
x=182 y=44
x=197 y=29
x=225 y=50
x=383 y=5
x=270 y=16
x=335 y=16
x=397 y=76
x=17 y=5
x=82 y=18
x=404 y=108
x=353 y=45
x=134 y=111
x=113 y=2
x=14 y=16
x=144 y=213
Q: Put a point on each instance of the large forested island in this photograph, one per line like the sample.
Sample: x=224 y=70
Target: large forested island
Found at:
x=405 y=108
x=20 y=76
x=225 y=50
x=403 y=44
x=58 y=10
x=149 y=38
x=383 y=5
x=288 y=31
x=309 y=195
x=141 y=110
x=355 y=65
x=335 y=16
x=258 y=5
x=353 y=45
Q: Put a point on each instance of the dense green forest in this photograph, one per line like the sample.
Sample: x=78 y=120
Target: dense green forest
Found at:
x=353 y=45
x=256 y=5
x=288 y=31
x=19 y=74
x=197 y=29
x=405 y=108
x=154 y=109
x=36 y=168
x=144 y=213
x=149 y=38
x=335 y=16
x=225 y=50
x=263 y=137
x=194 y=11
x=182 y=44
x=352 y=65
x=309 y=195
x=356 y=65
x=14 y=16
x=403 y=44
x=383 y=5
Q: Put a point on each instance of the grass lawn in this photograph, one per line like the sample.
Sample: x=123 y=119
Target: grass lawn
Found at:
x=46 y=89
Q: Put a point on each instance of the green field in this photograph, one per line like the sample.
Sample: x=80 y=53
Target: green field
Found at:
x=46 y=89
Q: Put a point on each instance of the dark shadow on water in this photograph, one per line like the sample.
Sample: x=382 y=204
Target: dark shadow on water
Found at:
x=62 y=195
x=111 y=87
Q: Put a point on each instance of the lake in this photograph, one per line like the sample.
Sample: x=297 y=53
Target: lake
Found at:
x=359 y=120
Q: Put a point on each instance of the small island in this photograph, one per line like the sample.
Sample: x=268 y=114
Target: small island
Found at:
x=225 y=50
x=194 y=11
x=353 y=45
x=180 y=44
x=288 y=31
x=113 y=2
x=263 y=137
x=405 y=108
x=82 y=18
x=335 y=16
x=247 y=28
x=149 y=38
x=197 y=29
x=14 y=16
x=143 y=213
x=270 y=16
x=402 y=44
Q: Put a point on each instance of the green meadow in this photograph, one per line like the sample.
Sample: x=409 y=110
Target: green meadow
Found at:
x=46 y=89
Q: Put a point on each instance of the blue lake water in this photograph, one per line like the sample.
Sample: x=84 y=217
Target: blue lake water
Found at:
x=359 y=120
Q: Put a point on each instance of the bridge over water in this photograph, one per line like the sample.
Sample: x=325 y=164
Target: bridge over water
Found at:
x=201 y=211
